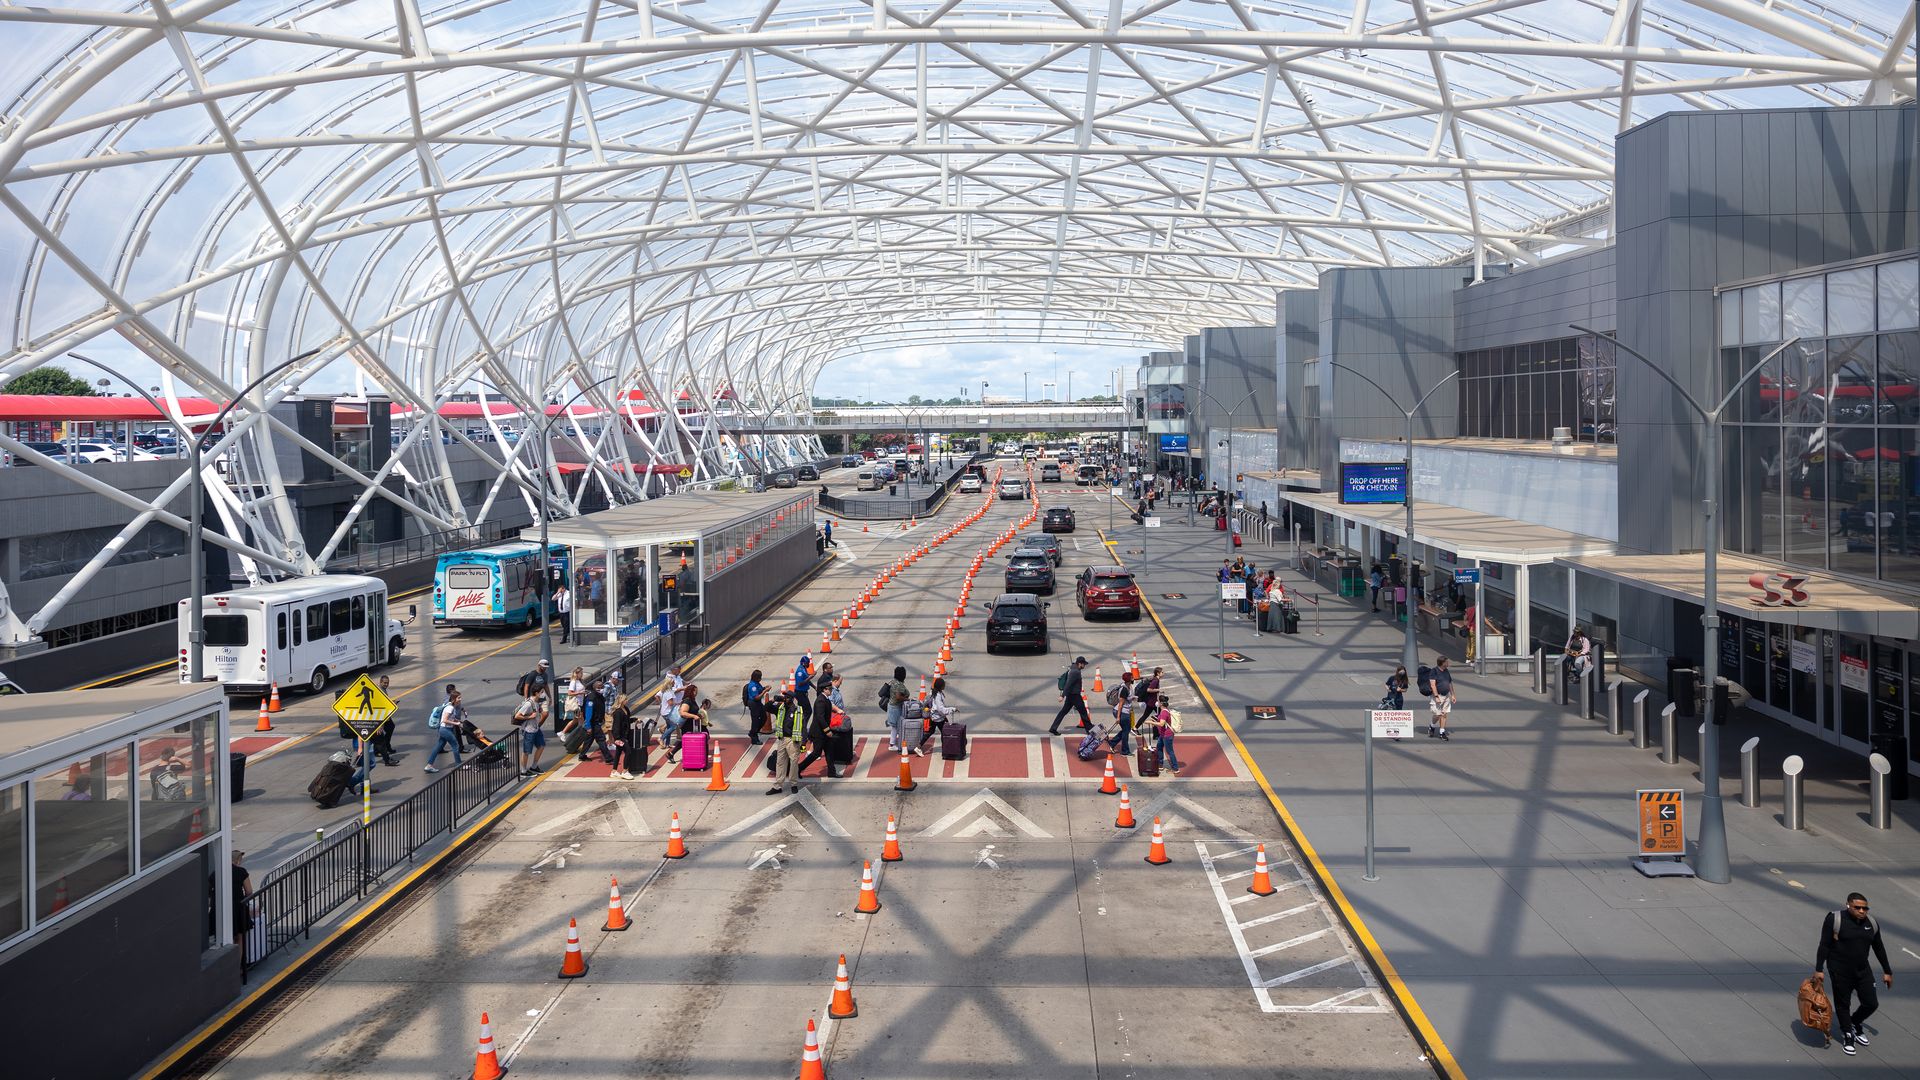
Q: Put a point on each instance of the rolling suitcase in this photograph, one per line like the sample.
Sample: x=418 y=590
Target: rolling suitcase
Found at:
x=1220 y=523
x=330 y=784
x=1146 y=762
x=840 y=746
x=953 y=741
x=693 y=751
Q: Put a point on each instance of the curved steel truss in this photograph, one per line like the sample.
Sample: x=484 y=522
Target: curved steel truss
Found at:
x=717 y=197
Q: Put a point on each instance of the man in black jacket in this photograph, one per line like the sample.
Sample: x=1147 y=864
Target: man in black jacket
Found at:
x=1846 y=937
x=1071 y=697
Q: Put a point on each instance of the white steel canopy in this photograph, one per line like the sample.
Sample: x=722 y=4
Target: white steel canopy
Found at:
x=718 y=197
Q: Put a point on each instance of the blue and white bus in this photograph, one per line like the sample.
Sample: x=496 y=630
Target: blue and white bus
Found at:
x=493 y=586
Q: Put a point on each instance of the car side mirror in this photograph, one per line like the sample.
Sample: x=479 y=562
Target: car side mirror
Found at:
x=413 y=612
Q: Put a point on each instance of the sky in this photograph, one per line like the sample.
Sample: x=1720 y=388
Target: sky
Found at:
x=942 y=371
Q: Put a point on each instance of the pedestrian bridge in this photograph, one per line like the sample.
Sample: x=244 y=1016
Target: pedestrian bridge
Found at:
x=1025 y=416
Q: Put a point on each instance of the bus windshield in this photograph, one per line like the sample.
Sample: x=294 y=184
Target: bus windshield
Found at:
x=469 y=577
x=226 y=629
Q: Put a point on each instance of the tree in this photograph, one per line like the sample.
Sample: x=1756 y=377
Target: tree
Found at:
x=57 y=381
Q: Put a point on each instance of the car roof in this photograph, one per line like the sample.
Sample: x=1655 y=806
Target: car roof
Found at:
x=1027 y=599
x=1110 y=571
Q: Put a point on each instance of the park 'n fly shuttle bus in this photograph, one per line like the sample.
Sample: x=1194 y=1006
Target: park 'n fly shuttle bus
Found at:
x=493 y=586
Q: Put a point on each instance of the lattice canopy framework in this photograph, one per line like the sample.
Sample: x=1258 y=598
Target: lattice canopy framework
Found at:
x=630 y=202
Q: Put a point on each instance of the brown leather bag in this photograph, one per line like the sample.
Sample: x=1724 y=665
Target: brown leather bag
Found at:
x=1816 y=1012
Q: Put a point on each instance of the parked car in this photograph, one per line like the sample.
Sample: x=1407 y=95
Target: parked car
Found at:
x=1105 y=590
x=1030 y=571
x=1013 y=489
x=808 y=473
x=1058 y=519
x=1016 y=619
x=970 y=485
x=1043 y=543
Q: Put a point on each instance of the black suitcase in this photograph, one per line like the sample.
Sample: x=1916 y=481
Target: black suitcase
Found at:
x=953 y=741
x=330 y=784
x=840 y=745
x=576 y=739
x=1146 y=762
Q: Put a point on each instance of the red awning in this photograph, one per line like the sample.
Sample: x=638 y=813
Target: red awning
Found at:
x=16 y=407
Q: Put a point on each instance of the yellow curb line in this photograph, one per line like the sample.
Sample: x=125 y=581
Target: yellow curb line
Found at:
x=1436 y=1050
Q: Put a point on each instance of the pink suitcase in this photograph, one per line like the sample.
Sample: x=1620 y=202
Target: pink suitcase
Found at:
x=693 y=751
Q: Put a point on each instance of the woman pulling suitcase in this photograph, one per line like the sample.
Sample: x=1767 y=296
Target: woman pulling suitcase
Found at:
x=938 y=714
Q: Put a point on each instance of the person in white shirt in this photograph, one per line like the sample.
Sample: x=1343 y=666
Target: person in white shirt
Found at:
x=563 y=607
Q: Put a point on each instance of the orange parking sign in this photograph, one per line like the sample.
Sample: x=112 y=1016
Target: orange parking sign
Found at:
x=1663 y=821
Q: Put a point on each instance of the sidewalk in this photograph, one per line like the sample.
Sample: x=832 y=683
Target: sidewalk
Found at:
x=1505 y=898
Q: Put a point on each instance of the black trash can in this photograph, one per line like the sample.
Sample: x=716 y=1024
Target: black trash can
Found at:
x=1683 y=685
x=236 y=776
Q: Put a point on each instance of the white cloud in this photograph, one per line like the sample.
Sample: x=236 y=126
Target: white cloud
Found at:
x=943 y=371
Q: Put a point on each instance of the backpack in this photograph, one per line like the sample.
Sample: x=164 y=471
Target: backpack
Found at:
x=886 y=697
x=913 y=710
x=1062 y=682
x=1115 y=696
x=746 y=695
x=1173 y=721
x=1424 y=680
x=433 y=718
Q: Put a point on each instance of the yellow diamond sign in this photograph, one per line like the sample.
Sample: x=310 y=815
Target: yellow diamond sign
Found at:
x=364 y=707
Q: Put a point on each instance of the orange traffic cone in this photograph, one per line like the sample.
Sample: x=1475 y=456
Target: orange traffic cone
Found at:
x=719 y=780
x=906 y=774
x=1107 y=785
x=1098 y=686
x=273 y=699
x=676 y=846
x=486 y=1064
x=842 y=1006
x=810 y=1066
x=939 y=666
x=923 y=688
x=263 y=724
x=574 y=964
x=946 y=649
x=196 y=828
x=891 y=852
x=1157 y=854
x=1262 y=884
x=863 y=527
x=1125 y=820
x=826 y=643
x=616 y=911
x=1133 y=664
x=869 y=896
x=59 y=897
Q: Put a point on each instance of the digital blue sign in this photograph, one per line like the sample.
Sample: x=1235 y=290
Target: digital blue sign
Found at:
x=1373 y=482
x=1173 y=444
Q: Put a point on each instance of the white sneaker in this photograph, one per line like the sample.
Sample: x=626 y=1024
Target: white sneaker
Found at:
x=430 y=769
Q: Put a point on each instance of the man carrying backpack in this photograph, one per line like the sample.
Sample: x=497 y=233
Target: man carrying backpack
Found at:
x=1846 y=938
x=1436 y=685
x=753 y=696
x=1071 y=697
x=534 y=685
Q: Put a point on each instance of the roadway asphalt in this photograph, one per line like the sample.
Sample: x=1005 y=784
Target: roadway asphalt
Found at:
x=1023 y=936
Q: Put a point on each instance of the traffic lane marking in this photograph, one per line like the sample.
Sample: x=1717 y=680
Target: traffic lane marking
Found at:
x=1357 y=993
x=1015 y=759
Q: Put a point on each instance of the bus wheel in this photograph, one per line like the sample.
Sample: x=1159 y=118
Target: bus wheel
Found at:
x=393 y=651
x=319 y=680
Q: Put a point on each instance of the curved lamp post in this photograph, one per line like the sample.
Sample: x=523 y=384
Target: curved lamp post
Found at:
x=197 y=584
x=1710 y=854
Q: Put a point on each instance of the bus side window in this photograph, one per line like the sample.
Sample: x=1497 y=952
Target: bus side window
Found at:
x=343 y=616
x=316 y=622
x=359 y=613
x=280 y=629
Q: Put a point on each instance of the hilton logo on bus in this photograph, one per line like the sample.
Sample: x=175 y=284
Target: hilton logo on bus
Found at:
x=1778 y=590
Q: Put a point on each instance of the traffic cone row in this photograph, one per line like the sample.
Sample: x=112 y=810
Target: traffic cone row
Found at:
x=872 y=591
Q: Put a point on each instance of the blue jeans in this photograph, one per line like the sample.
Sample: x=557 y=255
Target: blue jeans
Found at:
x=894 y=722
x=1167 y=757
x=1122 y=734
x=449 y=738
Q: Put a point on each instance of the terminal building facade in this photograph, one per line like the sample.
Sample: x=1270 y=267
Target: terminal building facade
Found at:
x=1574 y=476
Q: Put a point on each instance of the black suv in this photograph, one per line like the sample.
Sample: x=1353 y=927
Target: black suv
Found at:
x=1017 y=619
x=1030 y=571
x=807 y=472
x=1058 y=520
x=1042 y=544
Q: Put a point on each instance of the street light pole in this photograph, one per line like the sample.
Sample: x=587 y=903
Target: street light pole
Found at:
x=1710 y=857
x=1410 y=654
x=197 y=577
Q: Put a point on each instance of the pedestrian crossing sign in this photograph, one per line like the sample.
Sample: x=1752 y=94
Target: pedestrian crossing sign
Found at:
x=364 y=707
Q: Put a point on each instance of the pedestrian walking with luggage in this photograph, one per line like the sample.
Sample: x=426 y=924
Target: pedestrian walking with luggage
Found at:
x=894 y=698
x=1396 y=697
x=818 y=722
x=670 y=719
x=789 y=735
x=629 y=740
x=753 y=698
x=1150 y=696
x=1122 y=698
x=445 y=722
x=1166 y=725
x=1847 y=937
x=1436 y=683
x=1071 y=698
x=530 y=717
x=934 y=716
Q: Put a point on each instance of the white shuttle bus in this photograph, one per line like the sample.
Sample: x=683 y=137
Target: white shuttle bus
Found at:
x=298 y=632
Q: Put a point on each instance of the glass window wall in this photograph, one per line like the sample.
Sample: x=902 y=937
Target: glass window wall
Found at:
x=1526 y=391
x=83 y=830
x=178 y=788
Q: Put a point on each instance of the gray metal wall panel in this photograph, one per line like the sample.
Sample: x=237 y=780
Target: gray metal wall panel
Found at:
x=1396 y=325
x=1536 y=304
x=1297 y=314
x=1708 y=198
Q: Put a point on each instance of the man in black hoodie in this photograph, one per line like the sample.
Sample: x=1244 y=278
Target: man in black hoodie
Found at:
x=1846 y=937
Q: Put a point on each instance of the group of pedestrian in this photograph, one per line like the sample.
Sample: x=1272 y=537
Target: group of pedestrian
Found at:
x=1137 y=705
x=1435 y=683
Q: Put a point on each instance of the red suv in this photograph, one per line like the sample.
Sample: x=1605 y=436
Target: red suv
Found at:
x=1106 y=589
